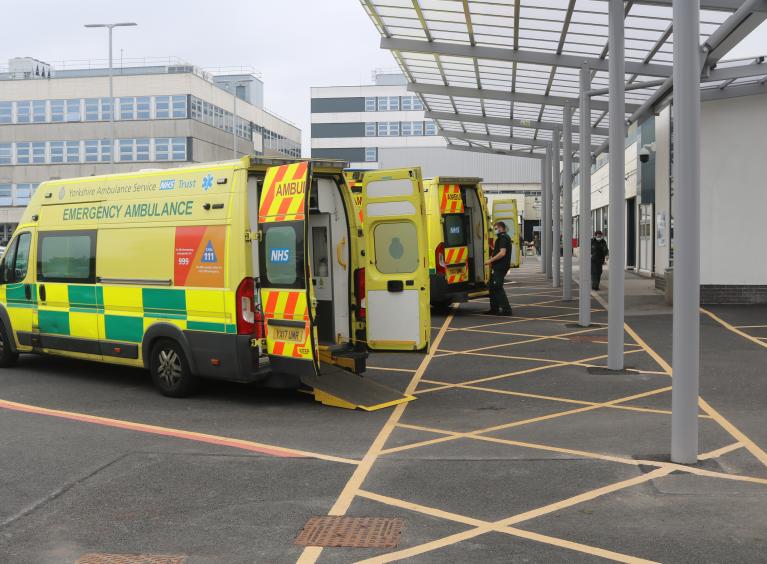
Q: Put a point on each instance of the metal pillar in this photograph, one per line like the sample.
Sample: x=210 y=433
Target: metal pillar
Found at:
x=112 y=140
x=544 y=164
x=686 y=332
x=567 y=218
x=584 y=219
x=556 y=201
x=617 y=209
x=549 y=245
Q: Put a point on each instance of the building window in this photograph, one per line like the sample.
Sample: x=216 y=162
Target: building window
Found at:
x=179 y=148
x=5 y=194
x=6 y=153
x=23 y=111
x=91 y=109
x=411 y=103
x=410 y=128
x=57 y=110
x=370 y=104
x=388 y=129
x=371 y=154
x=72 y=151
x=6 y=112
x=38 y=152
x=179 y=106
x=126 y=149
x=383 y=103
x=73 y=110
x=127 y=108
x=143 y=105
x=162 y=149
x=162 y=107
x=431 y=128
x=106 y=109
x=142 y=149
x=23 y=153
x=57 y=151
x=38 y=111
x=370 y=129
x=91 y=151
x=23 y=194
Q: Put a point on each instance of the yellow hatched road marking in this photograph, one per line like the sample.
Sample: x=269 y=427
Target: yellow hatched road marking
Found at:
x=352 y=487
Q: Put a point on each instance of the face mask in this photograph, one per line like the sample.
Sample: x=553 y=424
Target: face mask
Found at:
x=599 y=237
x=497 y=231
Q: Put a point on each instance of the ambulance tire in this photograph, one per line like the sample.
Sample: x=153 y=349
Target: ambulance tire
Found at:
x=8 y=357
x=170 y=369
x=442 y=308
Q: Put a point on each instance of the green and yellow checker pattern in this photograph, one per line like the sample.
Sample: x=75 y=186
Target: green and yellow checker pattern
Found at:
x=123 y=314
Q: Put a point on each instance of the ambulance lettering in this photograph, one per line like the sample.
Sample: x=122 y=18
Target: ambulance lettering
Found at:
x=290 y=188
x=280 y=255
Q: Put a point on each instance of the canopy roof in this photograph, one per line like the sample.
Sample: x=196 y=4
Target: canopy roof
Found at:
x=497 y=75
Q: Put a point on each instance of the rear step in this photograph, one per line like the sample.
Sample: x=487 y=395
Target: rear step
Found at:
x=340 y=388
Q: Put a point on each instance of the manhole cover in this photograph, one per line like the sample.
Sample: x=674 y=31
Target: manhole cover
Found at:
x=105 y=558
x=351 y=532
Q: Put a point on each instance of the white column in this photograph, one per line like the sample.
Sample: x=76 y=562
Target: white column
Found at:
x=584 y=221
x=556 y=200
x=686 y=340
x=567 y=218
x=617 y=211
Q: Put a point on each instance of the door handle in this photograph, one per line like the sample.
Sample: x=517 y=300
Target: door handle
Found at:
x=395 y=286
x=42 y=292
x=27 y=292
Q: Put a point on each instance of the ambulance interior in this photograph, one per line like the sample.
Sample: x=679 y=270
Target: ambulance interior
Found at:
x=472 y=232
x=328 y=248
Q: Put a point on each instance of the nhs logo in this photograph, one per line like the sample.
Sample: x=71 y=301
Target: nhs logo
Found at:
x=455 y=230
x=280 y=255
x=167 y=184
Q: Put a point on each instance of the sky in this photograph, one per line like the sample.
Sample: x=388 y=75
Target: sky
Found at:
x=293 y=44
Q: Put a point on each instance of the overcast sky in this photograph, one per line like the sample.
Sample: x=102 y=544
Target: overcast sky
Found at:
x=294 y=44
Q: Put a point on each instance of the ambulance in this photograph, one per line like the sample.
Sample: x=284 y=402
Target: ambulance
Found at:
x=251 y=270
x=459 y=237
x=506 y=211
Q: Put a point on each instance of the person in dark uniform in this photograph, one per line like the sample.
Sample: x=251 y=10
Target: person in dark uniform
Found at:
x=499 y=266
x=599 y=253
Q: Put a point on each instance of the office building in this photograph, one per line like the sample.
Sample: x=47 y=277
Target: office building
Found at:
x=55 y=122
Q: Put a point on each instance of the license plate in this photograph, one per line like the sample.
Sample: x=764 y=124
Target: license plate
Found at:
x=286 y=334
x=455 y=274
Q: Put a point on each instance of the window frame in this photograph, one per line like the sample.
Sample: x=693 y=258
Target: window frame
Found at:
x=43 y=235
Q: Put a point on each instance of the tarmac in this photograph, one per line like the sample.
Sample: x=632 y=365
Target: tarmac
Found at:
x=520 y=447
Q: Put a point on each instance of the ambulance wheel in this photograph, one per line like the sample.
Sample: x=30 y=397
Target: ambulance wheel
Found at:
x=170 y=369
x=8 y=358
x=442 y=307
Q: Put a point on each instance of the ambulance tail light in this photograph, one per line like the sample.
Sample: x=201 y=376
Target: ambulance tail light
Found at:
x=490 y=244
x=246 y=307
x=439 y=259
x=359 y=292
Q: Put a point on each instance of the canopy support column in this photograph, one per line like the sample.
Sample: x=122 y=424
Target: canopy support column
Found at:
x=556 y=206
x=686 y=330
x=542 y=222
x=584 y=219
x=549 y=230
x=617 y=209
x=567 y=218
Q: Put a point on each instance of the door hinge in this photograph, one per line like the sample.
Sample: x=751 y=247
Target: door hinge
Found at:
x=253 y=235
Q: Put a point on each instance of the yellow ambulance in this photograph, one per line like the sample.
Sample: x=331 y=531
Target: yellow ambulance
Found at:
x=505 y=210
x=459 y=237
x=251 y=270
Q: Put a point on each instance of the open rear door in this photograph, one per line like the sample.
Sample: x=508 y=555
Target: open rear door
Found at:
x=286 y=297
x=397 y=269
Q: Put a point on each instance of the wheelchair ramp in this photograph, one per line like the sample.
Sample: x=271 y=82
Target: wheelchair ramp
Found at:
x=340 y=388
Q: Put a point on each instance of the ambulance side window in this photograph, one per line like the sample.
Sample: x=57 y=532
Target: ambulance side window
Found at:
x=67 y=256
x=396 y=247
x=282 y=262
x=21 y=264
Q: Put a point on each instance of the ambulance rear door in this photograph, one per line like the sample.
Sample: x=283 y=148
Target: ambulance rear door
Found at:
x=286 y=295
x=397 y=268
x=506 y=211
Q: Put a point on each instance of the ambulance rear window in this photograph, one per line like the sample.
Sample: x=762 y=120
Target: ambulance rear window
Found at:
x=455 y=234
x=283 y=255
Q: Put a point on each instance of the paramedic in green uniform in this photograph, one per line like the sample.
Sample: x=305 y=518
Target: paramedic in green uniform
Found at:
x=499 y=266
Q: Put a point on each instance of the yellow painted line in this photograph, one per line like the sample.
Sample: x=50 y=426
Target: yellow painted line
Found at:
x=720 y=451
x=551 y=398
x=533 y=335
x=732 y=328
x=272 y=450
x=446 y=515
x=513 y=357
x=736 y=433
x=347 y=495
x=749 y=326
x=513 y=424
x=410 y=370
x=526 y=516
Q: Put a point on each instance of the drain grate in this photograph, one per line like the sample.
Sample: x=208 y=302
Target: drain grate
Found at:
x=106 y=558
x=351 y=532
